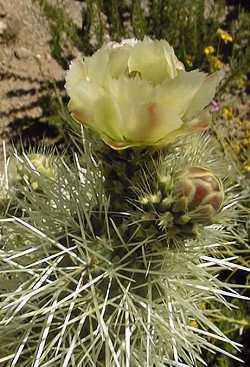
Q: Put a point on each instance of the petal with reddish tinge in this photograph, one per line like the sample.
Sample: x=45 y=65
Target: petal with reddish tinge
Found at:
x=201 y=121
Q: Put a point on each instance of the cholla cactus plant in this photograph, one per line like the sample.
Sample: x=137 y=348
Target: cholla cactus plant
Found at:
x=110 y=255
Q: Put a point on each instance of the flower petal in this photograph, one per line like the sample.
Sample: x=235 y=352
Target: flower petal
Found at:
x=130 y=95
x=179 y=92
x=118 y=61
x=161 y=121
x=152 y=60
x=83 y=99
x=77 y=72
x=97 y=66
x=172 y=63
x=204 y=95
x=201 y=121
x=141 y=119
x=107 y=118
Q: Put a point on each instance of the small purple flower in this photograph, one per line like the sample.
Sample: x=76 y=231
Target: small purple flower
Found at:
x=215 y=106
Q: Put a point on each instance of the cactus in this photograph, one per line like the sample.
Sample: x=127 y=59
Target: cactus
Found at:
x=93 y=269
x=195 y=196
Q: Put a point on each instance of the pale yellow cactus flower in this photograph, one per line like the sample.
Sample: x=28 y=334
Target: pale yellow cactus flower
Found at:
x=137 y=93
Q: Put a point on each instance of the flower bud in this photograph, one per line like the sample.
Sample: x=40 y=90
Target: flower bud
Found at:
x=199 y=193
x=43 y=164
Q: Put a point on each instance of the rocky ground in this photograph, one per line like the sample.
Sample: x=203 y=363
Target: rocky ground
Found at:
x=27 y=68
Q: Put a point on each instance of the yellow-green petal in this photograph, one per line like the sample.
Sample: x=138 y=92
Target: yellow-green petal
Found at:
x=179 y=92
x=204 y=95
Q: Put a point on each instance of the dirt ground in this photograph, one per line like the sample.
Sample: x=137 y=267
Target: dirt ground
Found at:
x=26 y=64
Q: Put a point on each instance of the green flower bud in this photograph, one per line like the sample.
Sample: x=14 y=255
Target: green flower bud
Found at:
x=43 y=164
x=167 y=220
x=165 y=204
x=165 y=184
x=148 y=201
